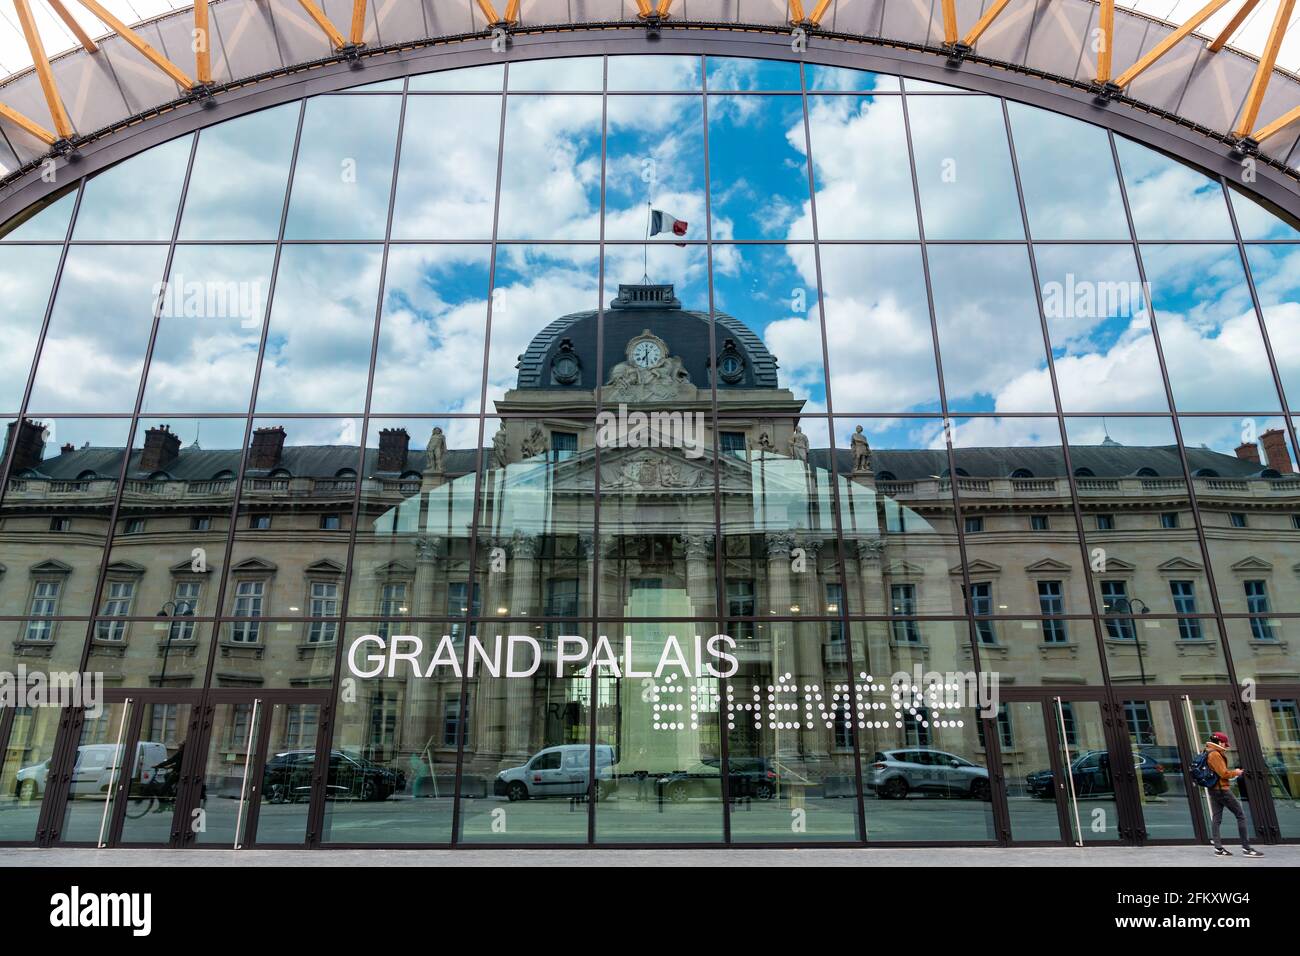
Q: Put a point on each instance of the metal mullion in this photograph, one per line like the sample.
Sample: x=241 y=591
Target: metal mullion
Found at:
x=325 y=727
x=125 y=467
x=593 y=785
x=470 y=573
x=992 y=746
x=1056 y=397
x=719 y=550
x=1259 y=315
x=847 y=632
x=39 y=346
x=1149 y=301
x=238 y=494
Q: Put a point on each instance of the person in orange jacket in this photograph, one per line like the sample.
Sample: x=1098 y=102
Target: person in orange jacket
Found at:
x=1221 y=796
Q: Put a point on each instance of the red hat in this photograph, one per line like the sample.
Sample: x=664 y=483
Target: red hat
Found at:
x=1220 y=738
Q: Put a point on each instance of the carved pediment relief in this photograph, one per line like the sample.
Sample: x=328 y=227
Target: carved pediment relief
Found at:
x=649 y=374
x=51 y=566
x=1046 y=566
x=655 y=470
x=1252 y=564
x=1117 y=564
x=324 y=566
x=123 y=569
x=978 y=566
x=1180 y=566
x=254 y=566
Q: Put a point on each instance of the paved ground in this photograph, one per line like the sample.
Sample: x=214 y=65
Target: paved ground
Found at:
x=1091 y=857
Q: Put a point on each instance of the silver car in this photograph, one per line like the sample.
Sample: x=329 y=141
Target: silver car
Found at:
x=893 y=774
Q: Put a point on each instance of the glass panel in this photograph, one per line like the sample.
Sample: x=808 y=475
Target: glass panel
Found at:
x=1159 y=765
x=285 y=794
x=55 y=522
x=877 y=317
x=26 y=277
x=44 y=221
x=103 y=313
x=25 y=771
x=566 y=73
x=345 y=168
x=137 y=199
x=843 y=80
x=1206 y=320
x=897 y=518
x=1169 y=200
x=654 y=160
x=1068 y=176
x=155 y=776
x=527 y=757
x=963 y=168
x=1142 y=548
x=226 y=787
x=241 y=167
x=861 y=168
x=96 y=774
x=1027 y=767
x=446 y=187
x=923 y=767
x=1094 y=814
x=1103 y=349
x=550 y=173
x=300 y=480
x=392 y=776
x=735 y=73
x=791 y=775
x=658 y=722
x=766 y=291
x=543 y=289
x=1257 y=220
x=209 y=329
x=1277 y=721
x=433 y=330
x=411 y=557
x=1276 y=271
x=990 y=334
x=317 y=356
x=654 y=73
x=759 y=176
x=488 y=78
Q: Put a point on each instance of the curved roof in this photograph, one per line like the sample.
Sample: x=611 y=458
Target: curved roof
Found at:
x=106 y=83
x=686 y=332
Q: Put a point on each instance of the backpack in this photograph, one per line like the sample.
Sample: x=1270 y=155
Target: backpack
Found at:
x=1202 y=774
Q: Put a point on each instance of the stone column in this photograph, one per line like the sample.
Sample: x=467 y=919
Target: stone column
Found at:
x=701 y=584
x=519 y=690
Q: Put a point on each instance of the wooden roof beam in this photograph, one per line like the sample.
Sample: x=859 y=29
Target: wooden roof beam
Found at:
x=1275 y=127
x=62 y=125
x=28 y=125
x=1233 y=26
x=71 y=23
x=1264 y=70
x=819 y=11
x=1168 y=43
x=202 y=43
x=139 y=43
x=984 y=22
x=325 y=23
x=1107 y=25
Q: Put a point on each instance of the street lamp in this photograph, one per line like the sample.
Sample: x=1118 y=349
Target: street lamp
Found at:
x=170 y=610
x=1128 y=607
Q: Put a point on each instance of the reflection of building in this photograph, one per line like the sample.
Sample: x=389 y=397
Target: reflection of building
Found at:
x=436 y=403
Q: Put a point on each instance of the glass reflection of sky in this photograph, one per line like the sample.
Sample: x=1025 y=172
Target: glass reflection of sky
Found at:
x=758 y=176
x=654 y=154
x=1256 y=222
x=550 y=176
x=842 y=80
x=26 y=277
x=739 y=74
x=1276 y=271
x=1169 y=200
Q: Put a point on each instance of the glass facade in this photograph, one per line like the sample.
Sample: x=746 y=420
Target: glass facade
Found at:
x=648 y=449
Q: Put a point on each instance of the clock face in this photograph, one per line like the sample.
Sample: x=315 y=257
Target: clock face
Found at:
x=647 y=354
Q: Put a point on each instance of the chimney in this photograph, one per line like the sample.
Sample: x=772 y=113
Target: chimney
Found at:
x=1275 y=450
x=1248 y=451
x=393 y=444
x=67 y=448
x=29 y=447
x=268 y=444
x=161 y=447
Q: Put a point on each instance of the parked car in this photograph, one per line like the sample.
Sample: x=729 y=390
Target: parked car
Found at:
x=95 y=767
x=555 y=772
x=1092 y=775
x=893 y=774
x=747 y=777
x=287 y=777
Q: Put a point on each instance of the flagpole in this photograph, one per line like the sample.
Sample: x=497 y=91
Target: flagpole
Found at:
x=645 y=247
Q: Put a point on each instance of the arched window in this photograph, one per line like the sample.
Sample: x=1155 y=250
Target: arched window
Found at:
x=1022 y=473
x=345 y=473
x=87 y=476
x=1205 y=473
x=1084 y=473
x=1146 y=473
x=885 y=476
x=281 y=473
x=223 y=475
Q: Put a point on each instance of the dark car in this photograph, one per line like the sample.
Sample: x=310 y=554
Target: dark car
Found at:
x=749 y=777
x=288 y=777
x=1092 y=775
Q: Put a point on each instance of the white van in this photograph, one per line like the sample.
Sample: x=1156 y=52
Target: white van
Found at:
x=95 y=768
x=554 y=772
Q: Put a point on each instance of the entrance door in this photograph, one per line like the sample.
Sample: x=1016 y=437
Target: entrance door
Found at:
x=1161 y=746
x=1277 y=726
x=259 y=773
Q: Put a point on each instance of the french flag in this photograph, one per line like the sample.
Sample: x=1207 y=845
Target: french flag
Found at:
x=660 y=221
